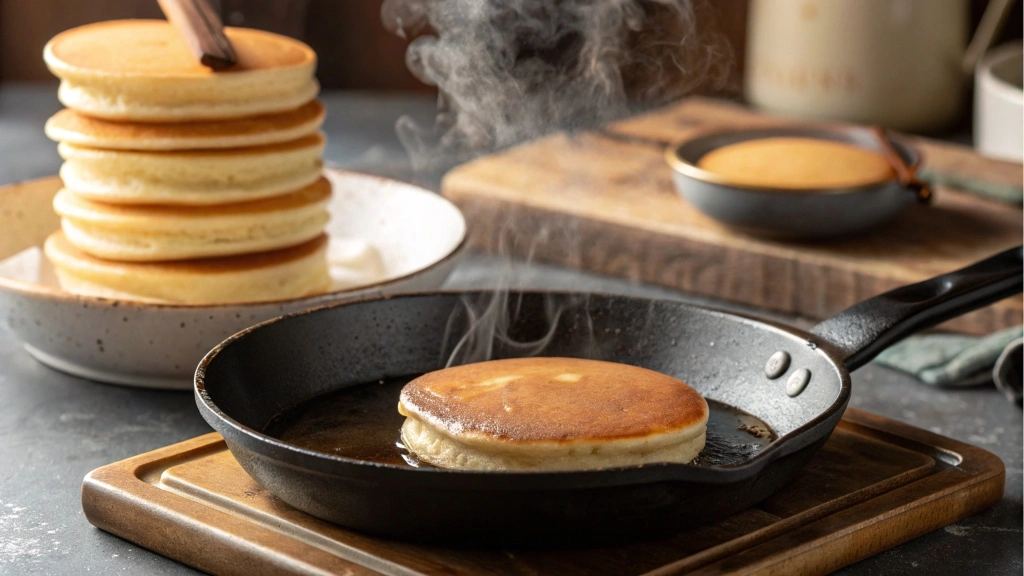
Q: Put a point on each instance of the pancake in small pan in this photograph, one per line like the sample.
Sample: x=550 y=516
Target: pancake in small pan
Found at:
x=277 y=275
x=81 y=130
x=191 y=177
x=551 y=414
x=159 y=233
x=797 y=164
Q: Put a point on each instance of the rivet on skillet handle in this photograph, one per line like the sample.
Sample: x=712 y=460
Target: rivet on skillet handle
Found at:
x=863 y=330
x=777 y=365
x=798 y=381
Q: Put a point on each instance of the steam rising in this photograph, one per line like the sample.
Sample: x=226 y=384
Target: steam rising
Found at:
x=512 y=70
x=489 y=324
x=489 y=318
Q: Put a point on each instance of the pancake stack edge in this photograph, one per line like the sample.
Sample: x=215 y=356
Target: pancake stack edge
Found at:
x=184 y=185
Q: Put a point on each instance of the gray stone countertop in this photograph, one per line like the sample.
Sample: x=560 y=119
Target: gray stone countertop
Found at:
x=55 y=428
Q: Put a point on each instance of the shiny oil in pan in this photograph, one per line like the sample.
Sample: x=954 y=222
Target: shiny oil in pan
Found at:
x=362 y=422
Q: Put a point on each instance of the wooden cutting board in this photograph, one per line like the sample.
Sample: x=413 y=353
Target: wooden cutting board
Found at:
x=875 y=484
x=604 y=201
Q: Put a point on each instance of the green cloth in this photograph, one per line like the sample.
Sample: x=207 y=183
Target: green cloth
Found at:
x=1009 y=193
x=950 y=360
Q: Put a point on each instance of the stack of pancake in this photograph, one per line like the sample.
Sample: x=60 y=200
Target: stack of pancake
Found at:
x=181 y=184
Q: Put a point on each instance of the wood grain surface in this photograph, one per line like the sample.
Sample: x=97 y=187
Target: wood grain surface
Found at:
x=875 y=484
x=604 y=201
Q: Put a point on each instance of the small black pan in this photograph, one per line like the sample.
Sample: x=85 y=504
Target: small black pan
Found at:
x=782 y=213
x=797 y=382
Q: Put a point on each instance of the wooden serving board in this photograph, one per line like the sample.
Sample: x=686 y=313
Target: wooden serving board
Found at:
x=604 y=201
x=875 y=484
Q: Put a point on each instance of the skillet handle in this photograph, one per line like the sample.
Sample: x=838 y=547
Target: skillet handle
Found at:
x=863 y=330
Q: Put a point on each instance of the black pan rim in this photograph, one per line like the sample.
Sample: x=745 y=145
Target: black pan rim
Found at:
x=285 y=453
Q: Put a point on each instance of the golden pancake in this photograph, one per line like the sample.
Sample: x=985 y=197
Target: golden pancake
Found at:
x=289 y=273
x=191 y=177
x=157 y=233
x=551 y=414
x=143 y=70
x=799 y=164
x=81 y=130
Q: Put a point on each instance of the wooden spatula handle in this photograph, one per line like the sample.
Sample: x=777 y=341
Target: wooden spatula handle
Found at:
x=906 y=174
x=202 y=30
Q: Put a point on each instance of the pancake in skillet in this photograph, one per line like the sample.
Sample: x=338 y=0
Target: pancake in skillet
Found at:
x=551 y=414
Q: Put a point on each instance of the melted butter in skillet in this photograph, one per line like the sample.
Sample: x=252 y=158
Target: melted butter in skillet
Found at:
x=362 y=422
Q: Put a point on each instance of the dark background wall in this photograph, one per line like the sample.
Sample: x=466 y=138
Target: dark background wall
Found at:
x=355 y=50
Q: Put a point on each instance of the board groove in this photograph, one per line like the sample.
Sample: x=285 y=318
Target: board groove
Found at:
x=875 y=484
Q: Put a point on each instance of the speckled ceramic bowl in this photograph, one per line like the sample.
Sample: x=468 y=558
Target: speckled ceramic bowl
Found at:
x=419 y=234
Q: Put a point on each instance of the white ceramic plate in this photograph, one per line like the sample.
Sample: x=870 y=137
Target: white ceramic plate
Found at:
x=419 y=235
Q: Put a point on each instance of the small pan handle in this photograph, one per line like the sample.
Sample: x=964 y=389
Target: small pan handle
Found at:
x=863 y=330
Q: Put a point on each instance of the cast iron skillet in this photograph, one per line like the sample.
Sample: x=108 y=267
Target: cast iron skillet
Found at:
x=249 y=378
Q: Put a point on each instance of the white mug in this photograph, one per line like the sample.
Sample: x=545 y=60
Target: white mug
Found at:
x=890 y=62
x=999 y=103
